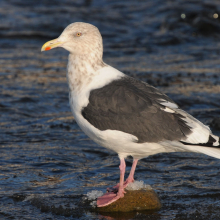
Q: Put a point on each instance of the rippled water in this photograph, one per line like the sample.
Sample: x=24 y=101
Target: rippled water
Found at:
x=47 y=164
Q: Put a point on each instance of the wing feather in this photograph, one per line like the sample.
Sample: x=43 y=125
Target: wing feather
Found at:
x=135 y=107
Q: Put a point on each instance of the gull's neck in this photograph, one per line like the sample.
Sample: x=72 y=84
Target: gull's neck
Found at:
x=81 y=69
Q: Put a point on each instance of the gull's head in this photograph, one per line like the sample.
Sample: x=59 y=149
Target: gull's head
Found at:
x=79 y=39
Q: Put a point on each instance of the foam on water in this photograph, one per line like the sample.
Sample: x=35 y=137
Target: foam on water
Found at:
x=36 y=196
x=137 y=185
x=94 y=194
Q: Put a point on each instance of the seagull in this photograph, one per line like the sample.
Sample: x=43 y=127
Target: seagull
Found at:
x=122 y=113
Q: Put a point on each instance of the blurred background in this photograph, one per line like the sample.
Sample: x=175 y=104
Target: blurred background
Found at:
x=47 y=165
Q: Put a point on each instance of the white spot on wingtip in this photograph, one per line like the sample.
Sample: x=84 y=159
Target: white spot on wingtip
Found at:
x=216 y=143
x=167 y=103
x=167 y=110
x=217 y=140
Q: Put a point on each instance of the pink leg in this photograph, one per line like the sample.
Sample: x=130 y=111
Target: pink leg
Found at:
x=122 y=176
x=130 y=178
x=111 y=197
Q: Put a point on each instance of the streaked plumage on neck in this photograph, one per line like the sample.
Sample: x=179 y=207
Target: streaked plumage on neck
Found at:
x=85 y=56
x=84 y=42
x=81 y=70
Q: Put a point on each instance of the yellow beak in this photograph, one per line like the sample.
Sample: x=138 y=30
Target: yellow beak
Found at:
x=51 y=44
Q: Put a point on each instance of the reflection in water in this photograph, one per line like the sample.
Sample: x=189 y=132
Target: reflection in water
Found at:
x=47 y=164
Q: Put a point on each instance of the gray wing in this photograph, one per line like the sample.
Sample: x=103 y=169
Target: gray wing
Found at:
x=135 y=107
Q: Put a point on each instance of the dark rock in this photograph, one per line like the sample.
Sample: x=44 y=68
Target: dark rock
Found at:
x=134 y=200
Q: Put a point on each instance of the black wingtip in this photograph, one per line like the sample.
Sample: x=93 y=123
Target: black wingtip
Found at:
x=210 y=142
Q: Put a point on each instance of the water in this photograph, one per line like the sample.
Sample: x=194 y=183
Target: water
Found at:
x=47 y=164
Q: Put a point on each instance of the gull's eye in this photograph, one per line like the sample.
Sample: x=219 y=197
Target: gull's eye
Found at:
x=78 y=34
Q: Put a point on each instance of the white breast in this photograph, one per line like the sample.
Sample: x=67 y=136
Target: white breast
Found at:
x=102 y=77
x=80 y=99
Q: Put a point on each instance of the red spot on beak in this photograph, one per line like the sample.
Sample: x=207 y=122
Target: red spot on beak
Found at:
x=47 y=48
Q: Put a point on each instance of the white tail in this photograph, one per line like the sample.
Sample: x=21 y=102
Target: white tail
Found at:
x=211 y=151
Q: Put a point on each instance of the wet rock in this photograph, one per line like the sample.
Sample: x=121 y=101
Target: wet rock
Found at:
x=135 y=200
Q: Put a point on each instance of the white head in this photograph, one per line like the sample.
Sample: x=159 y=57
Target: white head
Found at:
x=80 y=39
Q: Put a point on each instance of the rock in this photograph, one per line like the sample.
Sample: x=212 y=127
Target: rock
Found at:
x=135 y=200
